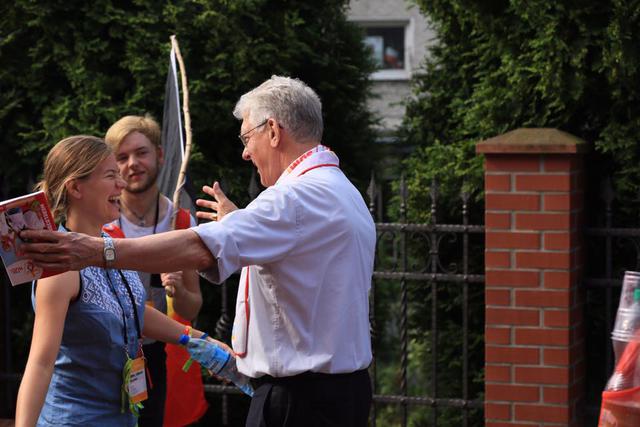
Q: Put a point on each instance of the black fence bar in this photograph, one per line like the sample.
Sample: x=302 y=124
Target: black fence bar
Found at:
x=430 y=228
x=433 y=255
x=434 y=277
x=591 y=283
x=404 y=340
x=411 y=256
x=429 y=401
x=373 y=192
x=10 y=378
x=223 y=333
x=465 y=306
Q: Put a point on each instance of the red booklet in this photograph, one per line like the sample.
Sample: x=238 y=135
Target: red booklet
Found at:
x=25 y=212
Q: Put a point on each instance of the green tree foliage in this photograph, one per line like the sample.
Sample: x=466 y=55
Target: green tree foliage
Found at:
x=498 y=65
x=503 y=64
x=75 y=67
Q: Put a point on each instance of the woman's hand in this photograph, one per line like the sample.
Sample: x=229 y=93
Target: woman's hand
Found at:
x=172 y=282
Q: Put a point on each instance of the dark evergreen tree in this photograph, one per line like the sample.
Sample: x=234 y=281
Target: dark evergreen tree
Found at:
x=72 y=66
x=75 y=67
x=500 y=65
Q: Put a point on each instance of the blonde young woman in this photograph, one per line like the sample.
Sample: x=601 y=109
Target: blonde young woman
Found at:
x=88 y=324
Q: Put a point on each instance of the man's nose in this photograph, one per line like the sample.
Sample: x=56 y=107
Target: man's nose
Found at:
x=132 y=159
x=245 y=154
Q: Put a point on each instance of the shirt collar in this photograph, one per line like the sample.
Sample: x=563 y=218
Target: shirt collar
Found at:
x=318 y=155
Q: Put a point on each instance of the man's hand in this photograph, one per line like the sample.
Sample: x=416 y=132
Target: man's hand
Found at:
x=54 y=250
x=220 y=207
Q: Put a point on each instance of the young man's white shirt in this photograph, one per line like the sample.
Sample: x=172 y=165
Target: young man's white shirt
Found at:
x=157 y=297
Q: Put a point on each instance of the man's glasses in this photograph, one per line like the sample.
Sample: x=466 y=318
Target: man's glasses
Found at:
x=243 y=137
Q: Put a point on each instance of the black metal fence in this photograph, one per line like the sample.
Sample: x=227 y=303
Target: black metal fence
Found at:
x=433 y=274
x=427 y=319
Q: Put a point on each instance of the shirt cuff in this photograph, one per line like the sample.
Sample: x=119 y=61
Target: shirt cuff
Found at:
x=218 y=240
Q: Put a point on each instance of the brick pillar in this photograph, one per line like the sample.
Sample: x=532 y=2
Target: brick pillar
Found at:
x=534 y=352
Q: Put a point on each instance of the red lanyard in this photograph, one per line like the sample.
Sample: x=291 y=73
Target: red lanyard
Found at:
x=322 y=165
x=247 y=310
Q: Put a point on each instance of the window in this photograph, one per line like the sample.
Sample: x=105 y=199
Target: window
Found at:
x=389 y=43
x=387 y=47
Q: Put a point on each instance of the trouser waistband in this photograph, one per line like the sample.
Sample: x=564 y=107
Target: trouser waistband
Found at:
x=303 y=377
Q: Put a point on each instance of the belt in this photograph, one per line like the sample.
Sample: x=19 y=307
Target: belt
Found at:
x=307 y=376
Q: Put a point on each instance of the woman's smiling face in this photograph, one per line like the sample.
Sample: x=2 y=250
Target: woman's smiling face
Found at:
x=100 y=192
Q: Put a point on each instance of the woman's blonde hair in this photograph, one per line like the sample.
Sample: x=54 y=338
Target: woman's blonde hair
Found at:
x=75 y=157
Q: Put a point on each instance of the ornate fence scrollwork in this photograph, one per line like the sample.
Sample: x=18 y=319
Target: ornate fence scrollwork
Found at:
x=434 y=257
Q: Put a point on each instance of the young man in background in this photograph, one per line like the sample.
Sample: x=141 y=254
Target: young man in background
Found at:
x=136 y=142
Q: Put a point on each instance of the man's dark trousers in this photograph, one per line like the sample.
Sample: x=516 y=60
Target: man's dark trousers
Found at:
x=311 y=400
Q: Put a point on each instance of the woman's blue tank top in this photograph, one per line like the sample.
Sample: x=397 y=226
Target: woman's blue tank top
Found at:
x=85 y=388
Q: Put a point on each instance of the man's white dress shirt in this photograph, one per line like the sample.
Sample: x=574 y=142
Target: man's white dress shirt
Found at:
x=307 y=246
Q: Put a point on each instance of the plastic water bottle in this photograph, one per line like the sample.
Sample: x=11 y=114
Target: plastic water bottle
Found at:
x=217 y=360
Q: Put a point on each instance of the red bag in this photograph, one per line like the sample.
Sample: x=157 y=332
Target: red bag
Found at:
x=620 y=408
x=185 y=402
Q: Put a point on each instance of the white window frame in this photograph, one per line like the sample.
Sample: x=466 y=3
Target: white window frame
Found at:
x=407 y=24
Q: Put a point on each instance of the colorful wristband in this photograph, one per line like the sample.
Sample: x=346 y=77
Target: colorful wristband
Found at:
x=184 y=339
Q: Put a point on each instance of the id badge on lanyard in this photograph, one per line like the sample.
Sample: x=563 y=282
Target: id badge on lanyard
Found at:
x=136 y=381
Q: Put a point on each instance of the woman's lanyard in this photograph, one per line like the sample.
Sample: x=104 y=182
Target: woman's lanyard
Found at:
x=134 y=386
x=133 y=306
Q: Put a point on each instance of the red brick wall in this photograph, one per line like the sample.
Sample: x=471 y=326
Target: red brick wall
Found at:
x=534 y=366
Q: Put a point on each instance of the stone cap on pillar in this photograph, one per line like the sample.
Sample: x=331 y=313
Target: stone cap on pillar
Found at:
x=533 y=140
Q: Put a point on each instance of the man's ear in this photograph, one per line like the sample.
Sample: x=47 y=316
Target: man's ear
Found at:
x=74 y=189
x=275 y=133
x=160 y=155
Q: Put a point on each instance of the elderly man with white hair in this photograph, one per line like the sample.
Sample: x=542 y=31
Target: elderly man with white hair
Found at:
x=306 y=248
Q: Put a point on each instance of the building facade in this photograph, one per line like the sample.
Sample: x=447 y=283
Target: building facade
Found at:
x=399 y=38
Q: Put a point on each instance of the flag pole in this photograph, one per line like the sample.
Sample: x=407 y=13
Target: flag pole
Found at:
x=180 y=384
x=187 y=128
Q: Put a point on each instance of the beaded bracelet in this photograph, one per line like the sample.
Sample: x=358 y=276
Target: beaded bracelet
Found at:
x=187 y=331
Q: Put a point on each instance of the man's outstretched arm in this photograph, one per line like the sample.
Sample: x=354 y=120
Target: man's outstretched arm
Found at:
x=171 y=251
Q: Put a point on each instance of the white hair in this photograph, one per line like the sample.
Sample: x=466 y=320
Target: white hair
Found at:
x=290 y=101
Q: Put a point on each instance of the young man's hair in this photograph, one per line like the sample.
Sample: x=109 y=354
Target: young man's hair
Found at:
x=146 y=125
